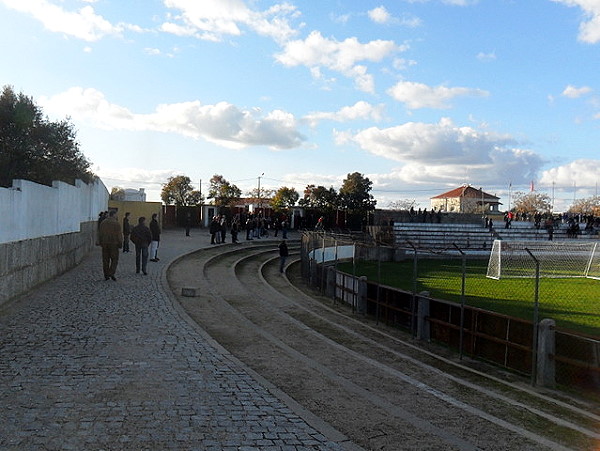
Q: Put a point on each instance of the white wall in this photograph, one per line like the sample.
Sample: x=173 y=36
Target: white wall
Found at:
x=30 y=210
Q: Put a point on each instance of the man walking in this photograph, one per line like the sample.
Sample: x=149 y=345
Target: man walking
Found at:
x=283 y=254
x=141 y=237
x=126 y=232
x=110 y=239
x=155 y=229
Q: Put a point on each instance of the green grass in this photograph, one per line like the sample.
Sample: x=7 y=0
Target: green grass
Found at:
x=574 y=303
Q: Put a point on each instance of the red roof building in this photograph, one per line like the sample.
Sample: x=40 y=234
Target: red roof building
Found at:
x=466 y=199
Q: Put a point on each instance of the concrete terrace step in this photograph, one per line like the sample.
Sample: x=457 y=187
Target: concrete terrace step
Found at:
x=469 y=237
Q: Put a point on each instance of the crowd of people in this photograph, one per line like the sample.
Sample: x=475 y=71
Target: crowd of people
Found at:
x=255 y=226
x=551 y=222
x=112 y=237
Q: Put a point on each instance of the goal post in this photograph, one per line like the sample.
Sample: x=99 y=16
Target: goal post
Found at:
x=593 y=268
x=510 y=259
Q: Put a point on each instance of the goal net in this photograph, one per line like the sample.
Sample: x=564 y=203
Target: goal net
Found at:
x=510 y=259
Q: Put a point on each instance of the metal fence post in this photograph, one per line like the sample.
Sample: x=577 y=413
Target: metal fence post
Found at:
x=546 y=368
x=413 y=316
x=535 y=318
x=378 y=283
x=423 y=328
x=323 y=266
x=354 y=287
x=462 y=302
x=361 y=298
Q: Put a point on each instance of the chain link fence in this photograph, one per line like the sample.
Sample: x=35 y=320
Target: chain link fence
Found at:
x=547 y=328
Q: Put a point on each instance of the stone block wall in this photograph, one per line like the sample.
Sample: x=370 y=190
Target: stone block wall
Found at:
x=27 y=263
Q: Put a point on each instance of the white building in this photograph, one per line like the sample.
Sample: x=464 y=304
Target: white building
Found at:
x=133 y=195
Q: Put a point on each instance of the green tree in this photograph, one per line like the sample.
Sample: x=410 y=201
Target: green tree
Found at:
x=284 y=198
x=223 y=193
x=587 y=206
x=179 y=191
x=532 y=203
x=265 y=195
x=320 y=198
x=355 y=194
x=34 y=148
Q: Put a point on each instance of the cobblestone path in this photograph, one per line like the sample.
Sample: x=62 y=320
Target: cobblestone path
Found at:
x=92 y=364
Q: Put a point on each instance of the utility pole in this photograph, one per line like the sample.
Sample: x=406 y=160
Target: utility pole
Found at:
x=259 y=204
x=201 y=203
x=482 y=204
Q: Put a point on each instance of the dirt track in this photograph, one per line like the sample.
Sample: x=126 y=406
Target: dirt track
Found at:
x=372 y=383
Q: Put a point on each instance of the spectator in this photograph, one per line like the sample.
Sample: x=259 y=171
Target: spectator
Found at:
x=126 y=232
x=110 y=239
x=155 y=230
x=141 y=237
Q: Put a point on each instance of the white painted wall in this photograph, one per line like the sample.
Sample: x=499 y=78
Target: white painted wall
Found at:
x=30 y=210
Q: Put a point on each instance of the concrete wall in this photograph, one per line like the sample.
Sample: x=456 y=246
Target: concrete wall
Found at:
x=27 y=263
x=45 y=230
x=29 y=210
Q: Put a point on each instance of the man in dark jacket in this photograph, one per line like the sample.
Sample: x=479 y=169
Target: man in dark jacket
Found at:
x=214 y=229
x=283 y=255
x=141 y=237
x=110 y=239
x=126 y=232
x=155 y=229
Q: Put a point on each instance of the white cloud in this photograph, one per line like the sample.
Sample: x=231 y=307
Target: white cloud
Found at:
x=574 y=93
x=448 y=2
x=460 y=2
x=379 y=15
x=360 y=110
x=152 y=51
x=83 y=24
x=213 y=19
x=486 y=57
x=582 y=173
x=222 y=123
x=589 y=31
x=443 y=152
x=418 y=95
x=340 y=56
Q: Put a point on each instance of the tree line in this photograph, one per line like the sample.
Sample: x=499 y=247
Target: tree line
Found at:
x=538 y=202
x=34 y=148
x=353 y=196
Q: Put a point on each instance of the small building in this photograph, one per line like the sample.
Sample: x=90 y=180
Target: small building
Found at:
x=129 y=195
x=136 y=210
x=466 y=199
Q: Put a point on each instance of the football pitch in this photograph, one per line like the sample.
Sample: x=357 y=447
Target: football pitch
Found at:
x=574 y=303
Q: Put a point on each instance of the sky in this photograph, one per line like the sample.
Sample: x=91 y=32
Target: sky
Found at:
x=420 y=96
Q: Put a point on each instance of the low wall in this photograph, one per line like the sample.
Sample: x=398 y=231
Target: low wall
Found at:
x=27 y=263
x=30 y=210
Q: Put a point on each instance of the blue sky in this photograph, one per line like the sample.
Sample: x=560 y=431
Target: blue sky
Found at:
x=420 y=96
